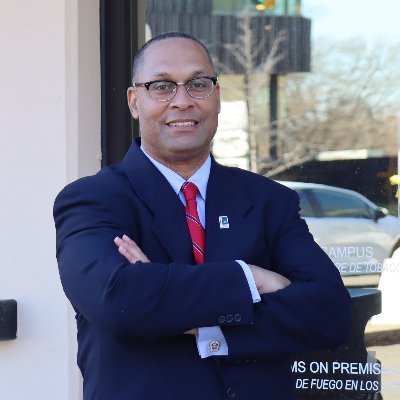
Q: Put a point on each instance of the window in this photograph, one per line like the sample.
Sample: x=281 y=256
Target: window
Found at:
x=341 y=205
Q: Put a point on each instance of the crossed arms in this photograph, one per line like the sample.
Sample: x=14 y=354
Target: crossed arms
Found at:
x=266 y=281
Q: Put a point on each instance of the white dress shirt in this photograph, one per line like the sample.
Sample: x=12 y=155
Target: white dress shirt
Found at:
x=206 y=335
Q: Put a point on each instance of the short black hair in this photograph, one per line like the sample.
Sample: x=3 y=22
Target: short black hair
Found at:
x=167 y=35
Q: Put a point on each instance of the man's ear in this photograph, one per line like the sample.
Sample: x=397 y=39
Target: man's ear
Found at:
x=132 y=100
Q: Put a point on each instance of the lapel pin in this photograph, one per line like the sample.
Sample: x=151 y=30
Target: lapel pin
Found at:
x=223 y=222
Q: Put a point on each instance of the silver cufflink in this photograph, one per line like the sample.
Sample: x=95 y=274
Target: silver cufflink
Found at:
x=214 y=345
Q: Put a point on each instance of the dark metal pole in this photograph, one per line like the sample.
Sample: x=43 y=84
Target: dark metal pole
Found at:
x=121 y=23
x=273 y=116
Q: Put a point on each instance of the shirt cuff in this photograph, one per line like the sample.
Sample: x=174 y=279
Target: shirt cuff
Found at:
x=250 y=280
x=211 y=342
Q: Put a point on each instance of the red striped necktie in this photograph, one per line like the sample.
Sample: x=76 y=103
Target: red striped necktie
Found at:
x=196 y=230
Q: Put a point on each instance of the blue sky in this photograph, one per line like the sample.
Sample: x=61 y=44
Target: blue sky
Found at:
x=373 y=20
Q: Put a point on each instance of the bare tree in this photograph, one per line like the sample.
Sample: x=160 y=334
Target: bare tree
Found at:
x=348 y=102
x=246 y=52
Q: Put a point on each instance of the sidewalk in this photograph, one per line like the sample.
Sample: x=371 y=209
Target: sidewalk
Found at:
x=381 y=335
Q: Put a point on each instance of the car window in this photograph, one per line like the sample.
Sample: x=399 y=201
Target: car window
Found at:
x=306 y=209
x=341 y=205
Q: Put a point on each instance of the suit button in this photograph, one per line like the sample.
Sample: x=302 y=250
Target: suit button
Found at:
x=229 y=318
x=221 y=319
x=238 y=317
x=230 y=393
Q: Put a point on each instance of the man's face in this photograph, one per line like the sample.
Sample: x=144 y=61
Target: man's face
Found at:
x=182 y=128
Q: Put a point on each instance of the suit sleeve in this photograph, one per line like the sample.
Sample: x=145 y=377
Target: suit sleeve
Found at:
x=310 y=314
x=148 y=300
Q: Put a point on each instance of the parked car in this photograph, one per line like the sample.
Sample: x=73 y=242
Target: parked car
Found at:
x=356 y=234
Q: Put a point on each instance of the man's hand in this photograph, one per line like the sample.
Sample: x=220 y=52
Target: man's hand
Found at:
x=130 y=250
x=268 y=281
x=191 y=332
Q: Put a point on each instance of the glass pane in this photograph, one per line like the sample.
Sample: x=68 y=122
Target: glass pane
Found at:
x=340 y=205
x=310 y=95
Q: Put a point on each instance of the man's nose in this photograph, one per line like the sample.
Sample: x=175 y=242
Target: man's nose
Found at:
x=182 y=98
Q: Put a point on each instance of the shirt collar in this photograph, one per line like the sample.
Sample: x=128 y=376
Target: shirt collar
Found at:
x=199 y=178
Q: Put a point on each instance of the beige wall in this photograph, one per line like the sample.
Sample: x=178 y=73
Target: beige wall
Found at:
x=49 y=135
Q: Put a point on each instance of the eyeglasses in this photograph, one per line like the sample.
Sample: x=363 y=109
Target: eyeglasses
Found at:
x=198 y=88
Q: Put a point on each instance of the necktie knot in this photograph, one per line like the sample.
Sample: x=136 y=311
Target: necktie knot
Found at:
x=189 y=190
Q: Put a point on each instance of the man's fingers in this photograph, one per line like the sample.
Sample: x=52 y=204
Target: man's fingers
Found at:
x=123 y=250
x=193 y=331
x=128 y=240
x=130 y=250
x=268 y=281
x=118 y=241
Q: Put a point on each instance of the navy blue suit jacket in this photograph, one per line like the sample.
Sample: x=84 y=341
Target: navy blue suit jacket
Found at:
x=131 y=317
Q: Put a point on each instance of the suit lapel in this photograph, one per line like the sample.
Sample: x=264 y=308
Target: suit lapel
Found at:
x=169 y=223
x=225 y=198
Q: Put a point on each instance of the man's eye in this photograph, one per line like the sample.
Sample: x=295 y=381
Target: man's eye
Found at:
x=199 y=83
x=162 y=86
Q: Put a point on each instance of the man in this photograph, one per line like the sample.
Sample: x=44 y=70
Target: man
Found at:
x=165 y=308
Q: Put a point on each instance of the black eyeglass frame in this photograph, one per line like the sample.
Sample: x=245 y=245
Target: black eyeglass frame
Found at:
x=147 y=85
